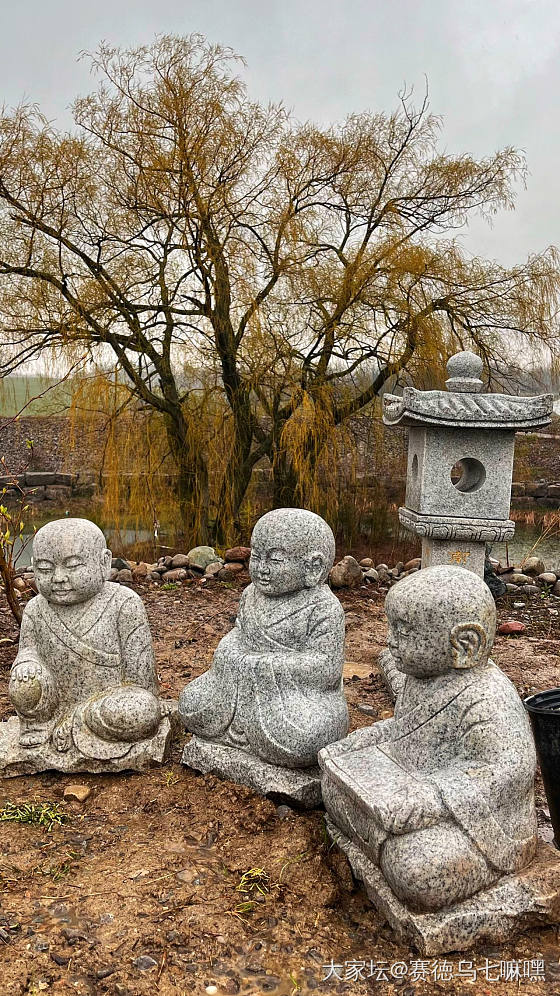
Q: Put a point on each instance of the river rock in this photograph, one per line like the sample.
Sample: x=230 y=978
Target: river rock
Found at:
x=413 y=564
x=120 y=564
x=496 y=584
x=547 y=578
x=517 y=578
x=141 y=570
x=180 y=560
x=78 y=792
x=229 y=570
x=124 y=576
x=144 y=963
x=511 y=626
x=241 y=553
x=213 y=569
x=200 y=556
x=556 y=589
x=178 y=574
x=531 y=589
x=533 y=566
x=346 y=574
x=367 y=562
x=371 y=575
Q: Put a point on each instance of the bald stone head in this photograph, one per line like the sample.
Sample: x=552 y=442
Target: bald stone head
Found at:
x=71 y=561
x=291 y=549
x=440 y=618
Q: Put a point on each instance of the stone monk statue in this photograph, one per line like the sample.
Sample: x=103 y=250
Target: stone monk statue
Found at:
x=440 y=798
x=273 y=694
x=83 y=683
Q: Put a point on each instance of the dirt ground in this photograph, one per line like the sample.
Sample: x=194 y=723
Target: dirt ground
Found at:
x=140 y=891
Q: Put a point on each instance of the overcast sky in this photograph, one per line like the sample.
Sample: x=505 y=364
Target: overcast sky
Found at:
x=492 y=65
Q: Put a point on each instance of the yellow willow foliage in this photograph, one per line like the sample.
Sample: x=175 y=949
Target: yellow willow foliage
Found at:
x=136 y=470
x=321 y=454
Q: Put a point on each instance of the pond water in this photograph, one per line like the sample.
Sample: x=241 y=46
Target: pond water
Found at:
x=532 y=537
x=138 y=542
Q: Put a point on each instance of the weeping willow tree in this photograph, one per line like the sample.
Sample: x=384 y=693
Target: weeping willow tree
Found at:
x=257 y=282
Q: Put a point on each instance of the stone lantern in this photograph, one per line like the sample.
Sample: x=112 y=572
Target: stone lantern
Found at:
x=460 y=462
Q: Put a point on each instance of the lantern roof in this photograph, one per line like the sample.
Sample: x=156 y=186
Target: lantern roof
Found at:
x=462 y=406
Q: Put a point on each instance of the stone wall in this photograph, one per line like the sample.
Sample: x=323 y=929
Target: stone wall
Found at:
x=545 y=494
x=39 y=485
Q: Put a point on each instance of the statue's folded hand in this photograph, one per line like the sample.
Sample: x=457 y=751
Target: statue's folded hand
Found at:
x=366 y=736
x=414 y=807
x=27 y=671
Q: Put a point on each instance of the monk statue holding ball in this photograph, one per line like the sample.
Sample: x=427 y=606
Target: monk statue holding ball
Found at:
x=83 y=683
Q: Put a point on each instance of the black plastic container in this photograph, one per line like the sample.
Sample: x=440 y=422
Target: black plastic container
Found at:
x=544 y=713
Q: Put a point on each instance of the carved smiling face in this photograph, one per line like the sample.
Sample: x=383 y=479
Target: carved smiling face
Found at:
x=277 y=569
x=291 y=549
x=70 y=560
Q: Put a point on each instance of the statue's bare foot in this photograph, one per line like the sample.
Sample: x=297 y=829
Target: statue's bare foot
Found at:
x=62 y=736
x=33 y=736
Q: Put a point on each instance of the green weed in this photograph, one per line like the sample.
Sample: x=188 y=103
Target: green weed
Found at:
x=42 y=814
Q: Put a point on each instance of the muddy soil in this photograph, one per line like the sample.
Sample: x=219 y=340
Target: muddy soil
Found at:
x=141 y=891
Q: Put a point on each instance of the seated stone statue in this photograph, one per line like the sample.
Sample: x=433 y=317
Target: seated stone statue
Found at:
x=83 y=683
x=441 y=796
x=274 y=689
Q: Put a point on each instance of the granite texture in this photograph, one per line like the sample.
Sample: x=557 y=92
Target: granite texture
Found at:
x=454 y=553
x=274 y=689
x=473 y=435
x=394 y=679
x=300 y=786
x=83 y=683
x=485 y=458
x=458 y=528
x=440 y=797
x=515 y=903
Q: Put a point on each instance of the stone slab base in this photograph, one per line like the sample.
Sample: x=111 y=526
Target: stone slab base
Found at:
x=16 y=760
x=301 y=786
x=454 y=553
x=517 y=902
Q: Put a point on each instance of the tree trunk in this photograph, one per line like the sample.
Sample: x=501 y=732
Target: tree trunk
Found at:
x=286 y=492
x=192 y=481
x=7 y=575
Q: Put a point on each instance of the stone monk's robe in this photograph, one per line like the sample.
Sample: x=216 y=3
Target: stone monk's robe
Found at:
x=470 y=739
x=275 y=684
x=90 y=651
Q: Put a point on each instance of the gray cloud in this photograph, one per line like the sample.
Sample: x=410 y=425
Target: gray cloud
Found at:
x=493 y=71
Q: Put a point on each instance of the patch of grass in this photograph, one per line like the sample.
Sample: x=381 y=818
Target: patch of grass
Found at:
x=42 y=814
x=242 y=910
x=254 y=879
x=170 y=586
x=62 y=868
x=295 y=984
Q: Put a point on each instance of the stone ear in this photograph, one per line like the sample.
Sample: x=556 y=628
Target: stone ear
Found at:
x=106 y=560
x=315 y=566
x=469 y=641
